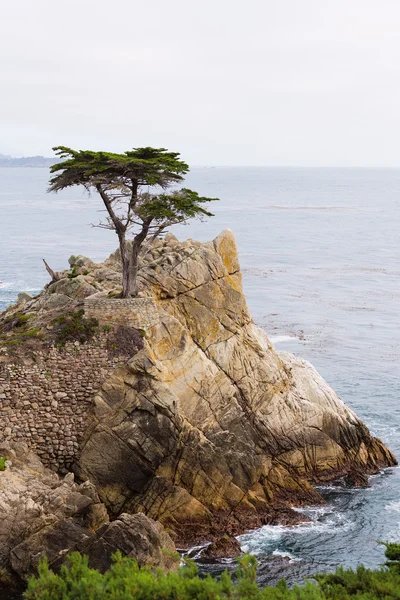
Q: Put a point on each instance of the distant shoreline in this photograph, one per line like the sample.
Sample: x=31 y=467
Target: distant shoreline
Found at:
x=26 y=161
x=25 y=166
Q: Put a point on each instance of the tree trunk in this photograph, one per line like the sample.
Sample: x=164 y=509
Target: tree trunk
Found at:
x=134 y=267
x=126 y=271
x=129 y=270
x=130 y=261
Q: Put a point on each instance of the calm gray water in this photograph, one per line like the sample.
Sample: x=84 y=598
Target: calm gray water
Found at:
x=319 y=249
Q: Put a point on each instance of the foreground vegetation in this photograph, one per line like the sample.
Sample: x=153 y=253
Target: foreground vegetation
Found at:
x=126 y=581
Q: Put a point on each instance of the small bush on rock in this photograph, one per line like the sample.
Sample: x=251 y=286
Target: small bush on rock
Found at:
x=17 y=320
x=74 y=327
x=124 y=341
x=73 y=273
x=127 y=581
x=15 y=330
x=2 y=463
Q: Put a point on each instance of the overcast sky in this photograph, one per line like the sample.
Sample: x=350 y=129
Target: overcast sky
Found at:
x=225 y=82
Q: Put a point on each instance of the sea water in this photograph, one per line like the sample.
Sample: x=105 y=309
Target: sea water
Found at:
x=319 y=251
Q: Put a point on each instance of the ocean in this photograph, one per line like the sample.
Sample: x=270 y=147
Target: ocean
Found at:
x=319 y=250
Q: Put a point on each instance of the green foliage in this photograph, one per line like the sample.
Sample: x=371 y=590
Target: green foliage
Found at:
x=16 y=321
x=119 y=179
x=118 y=176
x=126 y=581
x=150 y=166
x=22 y=319
x=33 y=332
x=15 y=330
x=174 y=207
x=2 y=463
x=73 y=273
x=392 y=553
x=74 y=327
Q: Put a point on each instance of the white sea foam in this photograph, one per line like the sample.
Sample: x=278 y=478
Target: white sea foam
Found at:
x=195 y=551
x=279 y=339
x=393 y=506
x=283 y=554
x=323 y=520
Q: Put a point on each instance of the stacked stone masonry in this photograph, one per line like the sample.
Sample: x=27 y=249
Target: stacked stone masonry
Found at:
x=47 y=404
x=140 y=313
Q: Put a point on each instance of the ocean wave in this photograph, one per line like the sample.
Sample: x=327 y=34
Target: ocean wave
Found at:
x=195 y=551
x=393 y=506
x=285 y=554
x=323 y=520
x=279 y=339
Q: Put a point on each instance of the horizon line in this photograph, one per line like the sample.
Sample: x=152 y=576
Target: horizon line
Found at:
x=247 y=166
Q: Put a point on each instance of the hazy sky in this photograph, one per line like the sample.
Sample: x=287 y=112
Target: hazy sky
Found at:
x=225 y=82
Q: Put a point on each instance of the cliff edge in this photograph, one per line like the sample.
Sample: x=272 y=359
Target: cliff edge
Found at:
x=208 y=427
x=202 y=425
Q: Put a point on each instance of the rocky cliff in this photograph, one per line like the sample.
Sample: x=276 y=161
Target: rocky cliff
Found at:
x=203 y=425
x=208 y=428
x=43 y=514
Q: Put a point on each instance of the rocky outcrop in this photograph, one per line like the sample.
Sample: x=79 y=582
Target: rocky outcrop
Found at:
x=204 y=426
x=43 y=514
x=226 y=546
x=135 y=536
x=356 y=478
x=208 y=429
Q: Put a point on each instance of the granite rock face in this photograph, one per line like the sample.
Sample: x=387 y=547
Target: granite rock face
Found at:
x=208 y=428
x=197 y=421
x=43 y=514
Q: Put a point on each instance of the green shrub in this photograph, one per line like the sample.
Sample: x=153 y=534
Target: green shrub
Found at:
x=22 y=319
x=15 y=331
x=126 y=581
x=16 y=321
x=33 y=333
x=73 y=273
x=74 y=327
x=2 y=463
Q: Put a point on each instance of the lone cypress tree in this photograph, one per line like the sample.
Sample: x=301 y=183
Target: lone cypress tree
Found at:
x=135 y=189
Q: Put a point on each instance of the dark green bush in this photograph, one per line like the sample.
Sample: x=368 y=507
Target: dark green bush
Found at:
x=74 y=327
x=73 y=273
x=126 y=581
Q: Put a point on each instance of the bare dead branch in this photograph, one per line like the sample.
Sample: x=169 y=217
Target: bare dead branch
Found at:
x=55 y=276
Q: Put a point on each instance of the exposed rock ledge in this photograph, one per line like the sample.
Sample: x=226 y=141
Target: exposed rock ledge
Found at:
x=43 y=514
x=207 y=428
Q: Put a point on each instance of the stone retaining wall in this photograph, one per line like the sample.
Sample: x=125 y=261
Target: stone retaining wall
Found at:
x=140 y=313
x=47 y=404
